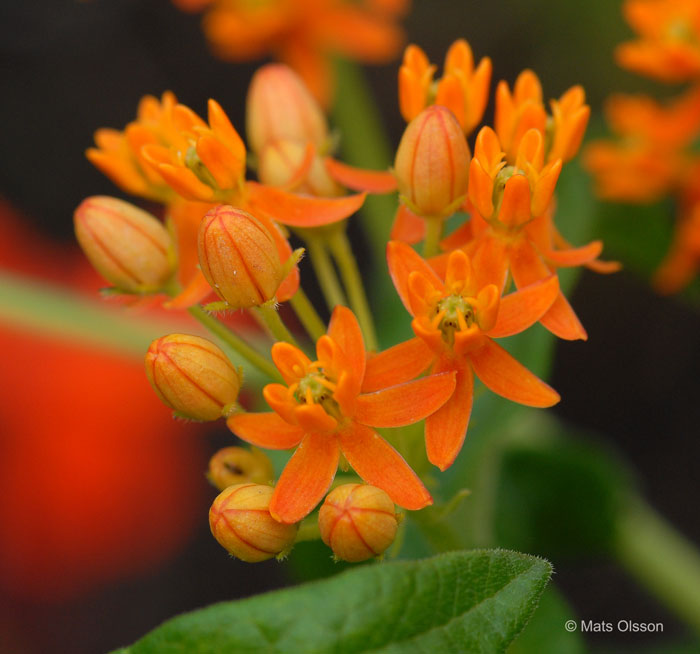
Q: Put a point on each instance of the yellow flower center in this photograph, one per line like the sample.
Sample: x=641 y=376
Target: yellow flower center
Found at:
x=453 y=313
x=316 y=388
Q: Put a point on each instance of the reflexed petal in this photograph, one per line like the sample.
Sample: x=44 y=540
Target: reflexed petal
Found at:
x=196 y=290
x=502 y=374
x=563 y=322
x=266 y=430
x=406 y=403
x=397 y=365
x=298 y=210
x=446 y=428
x=403 y=260
x=574 y=256
x=379 y=464
x=521 y=309
x=306 y=478
x=359 y=179
x=407 y=227
x=345 y=331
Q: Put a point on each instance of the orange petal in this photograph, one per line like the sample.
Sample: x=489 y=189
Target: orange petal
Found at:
x=480 y=189
x=312 y=417
x=515 y=207
x=194 y=292
x=226 y=169
x=574 y=256
x=184 y=182
x=381 y=465
x=359 y=179
x=563 y=322
x=266 y=430
x=450 y=94
x=345 y=331
x=521 y=309
x=403 y=260
x=298 y=210
x=446 y=428
x=502 y=374
x=407 y=403
x=407 y=227
x=306 y=478
x=290 y=361
x=397 y=365
x=490 y=262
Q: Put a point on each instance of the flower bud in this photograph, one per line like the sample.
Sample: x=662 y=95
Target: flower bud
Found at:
x=239 y=258
x=357 y=522
x=432 y=163
x=129 y=247
x=235 y=465
x=192 y=376
x=239 y=519
x=280 y=107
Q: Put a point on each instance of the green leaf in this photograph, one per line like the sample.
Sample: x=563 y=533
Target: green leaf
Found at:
x=472 y=602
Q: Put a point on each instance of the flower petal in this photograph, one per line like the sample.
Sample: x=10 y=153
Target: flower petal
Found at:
x=407 y=227
x=563 y=322
x=525 y=307
x=344 y=329
x=381 y=465
x=397 y=365
x=359 y=179
x=406 y=403
x=290 y=361
x=502 y=374
x=574 y=256
x=301 y=211
x=403 y=260
x=306 y=478
x=196 y=290
x=266 y=430
x=446 y=428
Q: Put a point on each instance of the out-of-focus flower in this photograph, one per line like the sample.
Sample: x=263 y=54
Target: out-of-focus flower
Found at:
x=303 y=33
x=463 y=89
x=240 y=520
x=236 y=465
x=324 y=413
x=682 y=261
x=668 y=47
x=522 y=110
x=357 y=522
x=455 y=322
x=129 y=247
x=192 y=376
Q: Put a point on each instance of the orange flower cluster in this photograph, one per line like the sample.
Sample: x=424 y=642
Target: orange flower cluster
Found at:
x=653 y=156
x=303 y=33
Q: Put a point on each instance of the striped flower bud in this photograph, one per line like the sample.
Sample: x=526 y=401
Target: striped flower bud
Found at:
x=192 y=376
x=239 y=519
x=236 y=465
x=239 y=257
x=129 y=247
x=432 y=163
x=357 y=522
x=280 y=107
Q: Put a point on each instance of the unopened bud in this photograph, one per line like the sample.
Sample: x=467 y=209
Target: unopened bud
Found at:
x=236 y=465
x=192 y=376
x=239 y=257
x=239 y=519
x=432 y=163
x=357 y=522
x=129 y=247
x=280 y=107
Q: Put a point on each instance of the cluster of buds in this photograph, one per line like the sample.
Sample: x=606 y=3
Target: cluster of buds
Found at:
x=230 y=237
x=654 y=155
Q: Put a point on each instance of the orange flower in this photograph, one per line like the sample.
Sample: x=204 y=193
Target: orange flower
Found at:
x=523 y=110
x=682 y=262
x=324 y=412
x=454 y=322
x=668 y=48
x=304 y=33
x=462 y=89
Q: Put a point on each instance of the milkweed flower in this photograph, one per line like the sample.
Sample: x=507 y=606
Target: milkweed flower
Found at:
x=303 y=34
x=324 y=412
x=463 y=89
x=455 y=322
x=668 y=47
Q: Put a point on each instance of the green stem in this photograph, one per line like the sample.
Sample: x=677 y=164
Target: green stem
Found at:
x=235 y=342
x=308 y=530
x=271 y=317
x=661 y=559
x=342 y=253
x=433 y=234
x=325 y=272
x=307 y=315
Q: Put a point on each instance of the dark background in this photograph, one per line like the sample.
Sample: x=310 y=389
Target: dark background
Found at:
x=67 y=68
